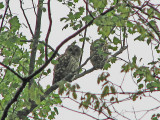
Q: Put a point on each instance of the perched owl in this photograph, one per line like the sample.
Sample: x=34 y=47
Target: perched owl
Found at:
x=99 y=51
x=67 y=62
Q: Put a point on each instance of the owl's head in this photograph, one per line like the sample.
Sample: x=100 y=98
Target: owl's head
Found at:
x=73 y=50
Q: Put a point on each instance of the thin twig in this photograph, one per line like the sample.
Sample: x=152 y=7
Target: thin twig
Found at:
x=85 y=32
x=7 y=6
x=8 y=68
x=77 y=111
x=5 y=112
x=34 y=7
x=49 y=30
x=24 y=14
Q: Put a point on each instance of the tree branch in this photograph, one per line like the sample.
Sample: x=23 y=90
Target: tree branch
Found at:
x=85 y=33
x=8 y=68
x=5 y=112
x=7 y=6
x=35 y=39
x=49 y=30
x=24 y=14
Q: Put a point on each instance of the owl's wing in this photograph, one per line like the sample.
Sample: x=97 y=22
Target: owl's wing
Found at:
x=61 y=68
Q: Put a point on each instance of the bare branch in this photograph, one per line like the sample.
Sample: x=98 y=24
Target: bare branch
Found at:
x=34 y=7
x=35 y=39
x=24 y=14
x=10 y=69
x=49 y=30
x=120 y=51
x=77 y=111
x=7 y=6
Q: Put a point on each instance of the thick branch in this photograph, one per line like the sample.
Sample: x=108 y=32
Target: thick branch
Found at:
x=35 y=39
x=120 y=51
x=5 y=112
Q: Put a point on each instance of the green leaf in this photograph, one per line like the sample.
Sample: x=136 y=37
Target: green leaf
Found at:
x=129 y=24
x=113 y=48
x=134 y=97
x=70 y=3
x=74 y=95
x=15 y=25
x=113 y=59
x=155 y=84
x=105 y=92
x=71 y=16
x=1 y=5
x=134 y=59
x=82 y=39
x=76 y=1
x=109 y=111
x=115 y=2
x=81 y=10
x=44 y=9
x=148 y=41
x=140 y=86
x=113 y=89
x=116 y=41
x=87 y=18
x=106 y=66
x=150 y=86
x=112 y=99
x=51 y=116
x=66 y=26
x=97 y=105
x=54 y=62
x=56 y=110
x=153 y=63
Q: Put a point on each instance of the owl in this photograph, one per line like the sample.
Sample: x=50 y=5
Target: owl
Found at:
x=67 y=63
x=99 y=53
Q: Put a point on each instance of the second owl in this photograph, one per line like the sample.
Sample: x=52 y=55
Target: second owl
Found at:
x=99 y=53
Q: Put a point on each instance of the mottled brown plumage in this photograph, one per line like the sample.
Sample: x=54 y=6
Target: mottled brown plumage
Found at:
x=99 y=51
x=67 y=63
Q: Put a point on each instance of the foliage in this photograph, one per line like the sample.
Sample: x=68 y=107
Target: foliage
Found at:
x=23 y=61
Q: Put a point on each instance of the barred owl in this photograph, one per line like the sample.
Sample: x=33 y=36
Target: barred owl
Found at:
x=67 y=62
x=99 y=53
